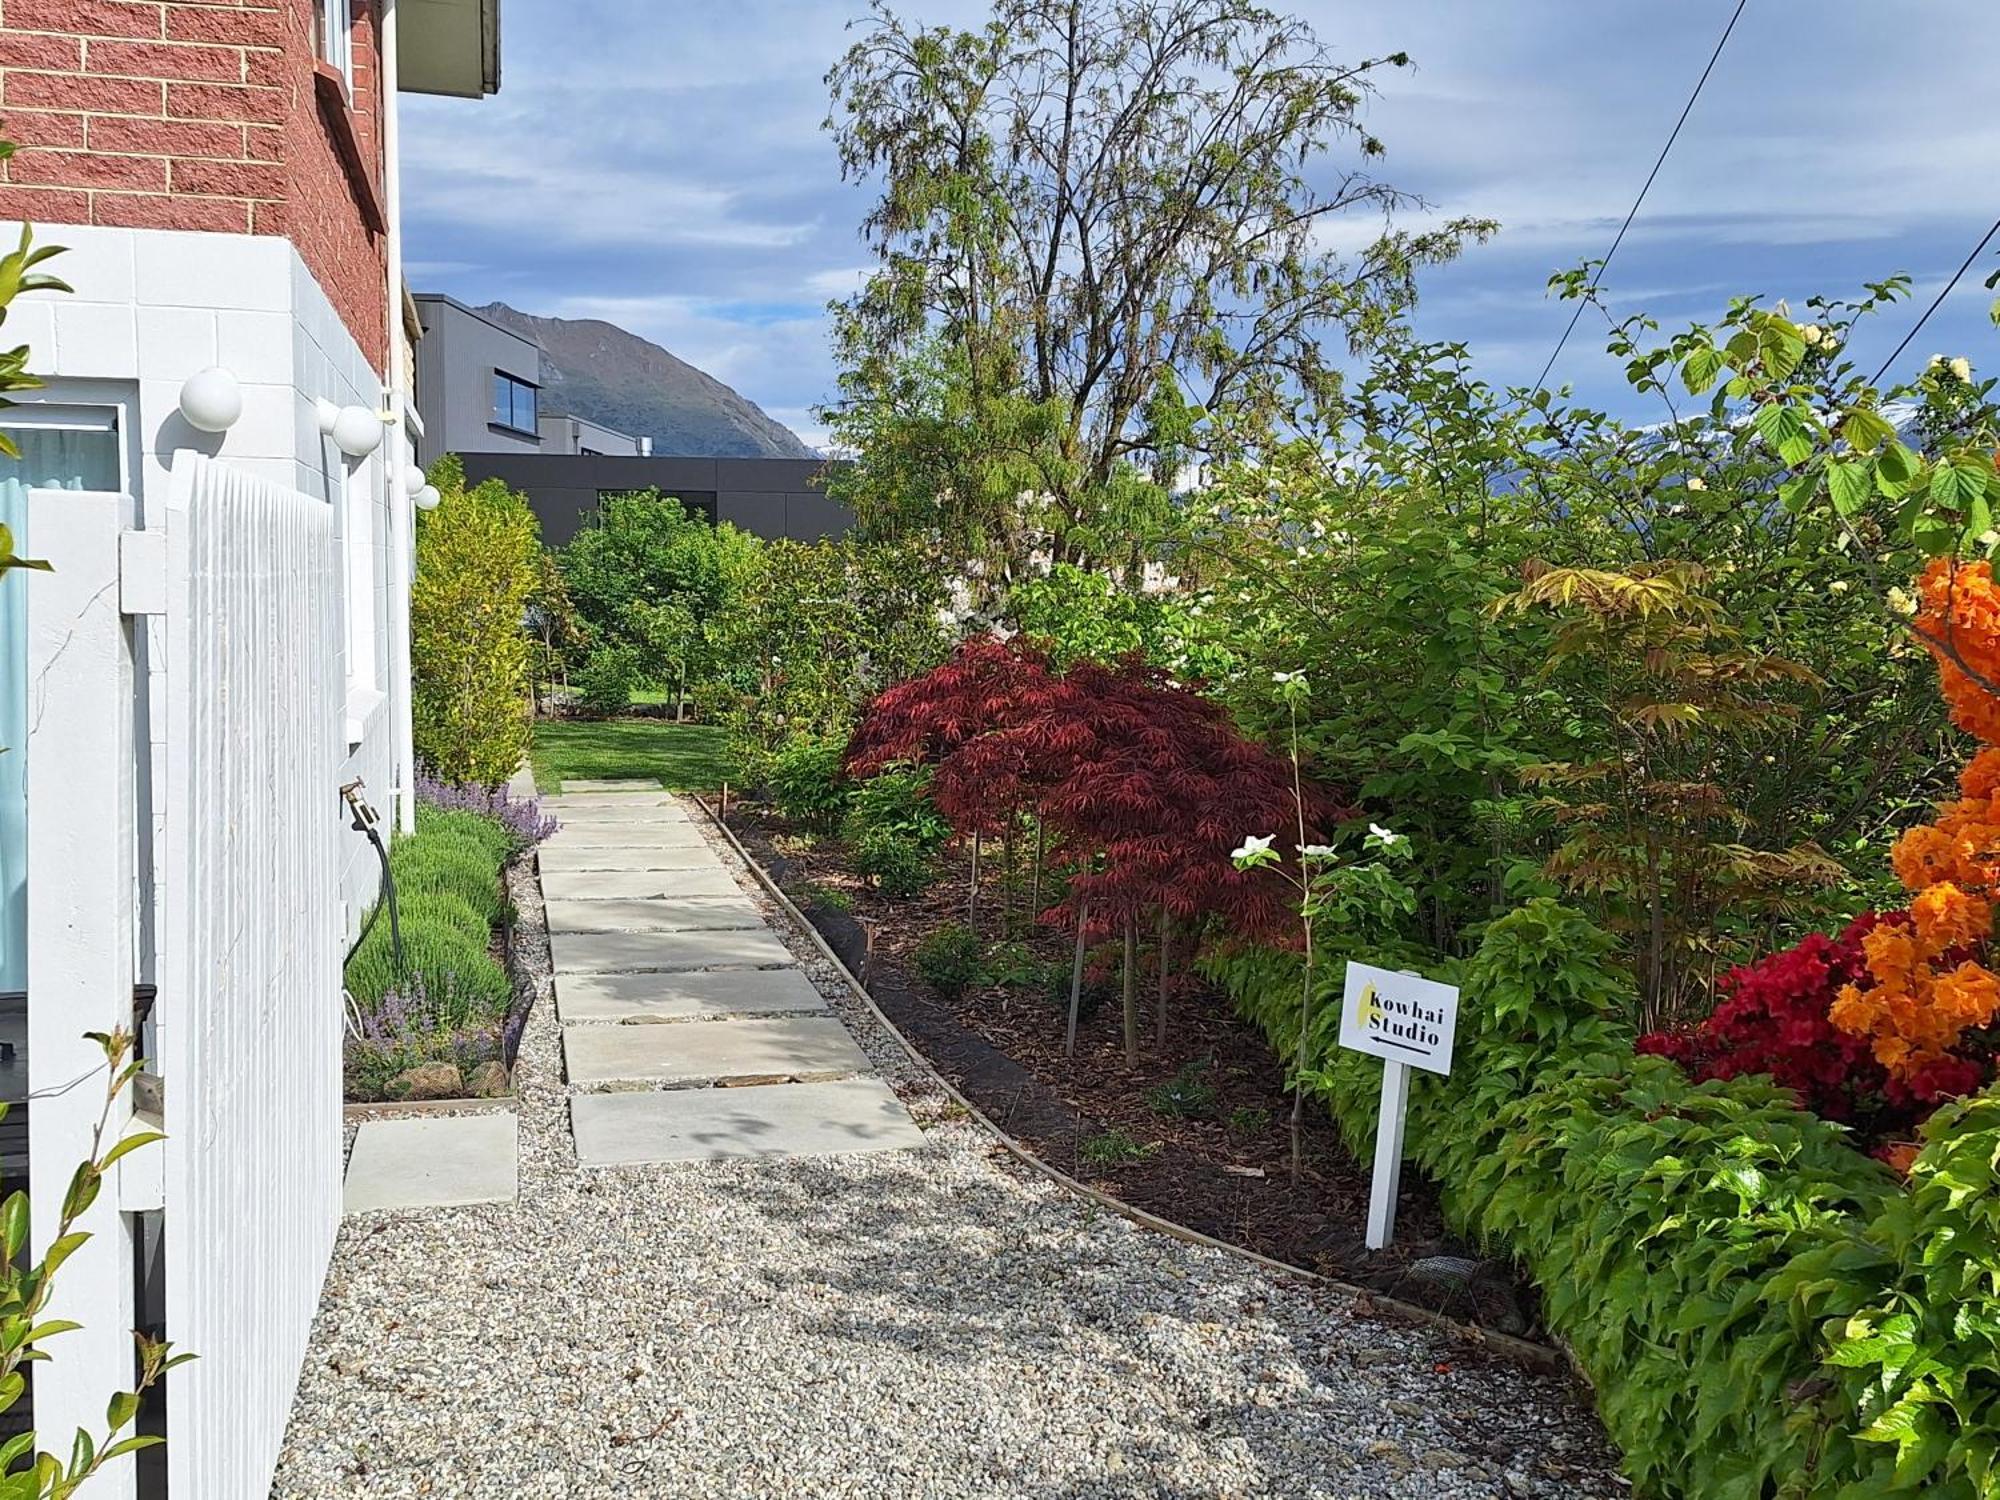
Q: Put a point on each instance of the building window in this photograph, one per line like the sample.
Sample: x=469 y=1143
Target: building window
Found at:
x=333 y=37
x=514 y=404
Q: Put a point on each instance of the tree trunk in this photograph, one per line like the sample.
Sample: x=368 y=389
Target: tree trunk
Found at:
x=1007 y=880
x=1035 y=875
x=1160 y=1018
x=972 y=896
x=1132 y=991
x=681 y=697
x=1299 y=1063
x=1076 y=978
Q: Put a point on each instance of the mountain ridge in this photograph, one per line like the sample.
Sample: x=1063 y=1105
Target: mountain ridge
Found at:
x=607 y=374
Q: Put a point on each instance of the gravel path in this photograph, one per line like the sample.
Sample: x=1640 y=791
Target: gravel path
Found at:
x=937 y=1323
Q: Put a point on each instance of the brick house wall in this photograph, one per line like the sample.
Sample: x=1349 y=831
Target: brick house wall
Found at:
x=200 y=115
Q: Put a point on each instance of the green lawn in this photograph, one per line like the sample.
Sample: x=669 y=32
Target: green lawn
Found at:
x=682 y=757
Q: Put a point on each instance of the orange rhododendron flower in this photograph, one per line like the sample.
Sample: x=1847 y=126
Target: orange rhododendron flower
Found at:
x=1924 y=994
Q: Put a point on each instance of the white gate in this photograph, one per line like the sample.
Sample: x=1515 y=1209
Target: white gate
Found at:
x=238 y=741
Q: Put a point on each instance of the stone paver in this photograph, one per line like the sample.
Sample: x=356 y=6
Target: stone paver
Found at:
x=641 y=820
x=708 y=883
x=433 y=1163
x=569 y=859
x=713 y=1051
x=683 y=997
x=634 y=784
x=618 y=834
x=846 y=1116
x=710 y=914
x=657 y=952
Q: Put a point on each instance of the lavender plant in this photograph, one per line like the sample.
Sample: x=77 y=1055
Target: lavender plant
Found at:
x=523 y=818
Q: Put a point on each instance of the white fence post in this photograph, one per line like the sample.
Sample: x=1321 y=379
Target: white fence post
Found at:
x=82 y=847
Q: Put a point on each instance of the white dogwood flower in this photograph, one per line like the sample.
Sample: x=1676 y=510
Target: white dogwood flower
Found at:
x=1252 y=846
x=1384 y=834
x=1316 y=851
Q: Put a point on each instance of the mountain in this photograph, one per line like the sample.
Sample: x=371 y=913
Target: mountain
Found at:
x=600 y=372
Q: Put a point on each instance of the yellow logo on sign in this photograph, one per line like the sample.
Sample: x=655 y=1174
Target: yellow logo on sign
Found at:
x=1366 y=1009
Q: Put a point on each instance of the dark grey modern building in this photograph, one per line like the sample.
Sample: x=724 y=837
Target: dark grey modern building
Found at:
x=479 y=391
x=770 y=497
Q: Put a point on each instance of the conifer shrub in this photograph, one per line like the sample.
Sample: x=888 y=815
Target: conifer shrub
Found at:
x=478 y=562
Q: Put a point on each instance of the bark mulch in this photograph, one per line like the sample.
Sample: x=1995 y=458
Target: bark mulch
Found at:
x=1221 y=1166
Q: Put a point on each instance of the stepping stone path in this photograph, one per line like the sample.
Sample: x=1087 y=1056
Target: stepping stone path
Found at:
x=447 y=1162
x=688 y=1030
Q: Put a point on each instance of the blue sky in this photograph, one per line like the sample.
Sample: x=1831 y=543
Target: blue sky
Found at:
x=674 y=177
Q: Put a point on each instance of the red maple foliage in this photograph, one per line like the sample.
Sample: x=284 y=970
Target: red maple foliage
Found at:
x=1773 y=1019
x=1145 y=785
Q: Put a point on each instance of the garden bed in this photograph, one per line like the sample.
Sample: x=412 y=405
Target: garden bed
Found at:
x=1197 y=1133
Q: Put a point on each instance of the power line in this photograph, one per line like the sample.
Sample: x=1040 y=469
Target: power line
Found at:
x=1605 y=264
x=1949 y=287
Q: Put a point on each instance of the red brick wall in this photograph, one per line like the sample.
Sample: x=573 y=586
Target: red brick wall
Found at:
x=197 y=114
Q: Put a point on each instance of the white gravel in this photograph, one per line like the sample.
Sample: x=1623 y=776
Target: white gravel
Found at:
x=938 y=1323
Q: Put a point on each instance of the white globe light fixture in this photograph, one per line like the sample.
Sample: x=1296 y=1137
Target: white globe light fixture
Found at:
x=414 y=483
x=357 y=431
x=428 y=497
x=211 y=400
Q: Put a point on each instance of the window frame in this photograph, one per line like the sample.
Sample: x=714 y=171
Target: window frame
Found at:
x=507 y=419
x=333 y=39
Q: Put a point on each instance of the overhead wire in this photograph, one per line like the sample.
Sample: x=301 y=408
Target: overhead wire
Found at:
x=1604 y=264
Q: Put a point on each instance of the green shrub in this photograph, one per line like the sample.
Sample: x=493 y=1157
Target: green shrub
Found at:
x=1188 y=1095
x=448 y=867
x=478 y=561
x=605 y=683
x=952 y=959
x=807 y=783
x=1689 y=1240
x=448 y=899
x=894 y=832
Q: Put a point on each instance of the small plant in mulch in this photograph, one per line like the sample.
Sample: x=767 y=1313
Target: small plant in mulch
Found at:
x=813 y=893
x=952 y=959
x=1113 y=1147
x=1249 y=1121
x=1188 y=1095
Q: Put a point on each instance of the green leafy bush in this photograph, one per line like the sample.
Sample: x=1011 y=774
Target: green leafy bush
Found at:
x=605 y=683
x=894 y=831
x=478 y=561
x=952 y=959
x=1689 y=1240
x=1919 y=1363
x=807 y=783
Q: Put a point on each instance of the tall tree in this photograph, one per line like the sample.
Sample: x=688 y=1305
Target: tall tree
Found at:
x=1108 y=243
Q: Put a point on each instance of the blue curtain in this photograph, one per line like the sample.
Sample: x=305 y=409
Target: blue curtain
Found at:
x=51 y=458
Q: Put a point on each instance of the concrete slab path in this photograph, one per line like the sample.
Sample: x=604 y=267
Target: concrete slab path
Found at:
x=445 y=1162
x=664 y=952
x=713 y=914
x=797 y=1119
x=772 y=1051
x=700 y=996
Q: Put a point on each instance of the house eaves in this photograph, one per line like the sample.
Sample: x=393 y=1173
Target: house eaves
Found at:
x=449 y=47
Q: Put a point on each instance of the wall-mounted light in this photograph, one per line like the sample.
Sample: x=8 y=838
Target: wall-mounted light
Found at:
x=211 y=400
x=356 y=431
x=414 y=482
x=428 y=497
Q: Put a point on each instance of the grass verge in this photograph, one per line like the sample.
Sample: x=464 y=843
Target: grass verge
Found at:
x=681 y=757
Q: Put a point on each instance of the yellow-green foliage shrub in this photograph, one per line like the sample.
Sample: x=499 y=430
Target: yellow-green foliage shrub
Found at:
x=477 y=563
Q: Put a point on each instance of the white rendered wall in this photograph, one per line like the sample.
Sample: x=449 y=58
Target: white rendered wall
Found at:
x=152 y=307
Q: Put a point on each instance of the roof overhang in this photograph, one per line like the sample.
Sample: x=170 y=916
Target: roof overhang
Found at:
x=449 y=47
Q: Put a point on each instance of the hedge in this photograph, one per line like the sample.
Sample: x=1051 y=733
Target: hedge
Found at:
x=1763 y=1310
x=448 y=899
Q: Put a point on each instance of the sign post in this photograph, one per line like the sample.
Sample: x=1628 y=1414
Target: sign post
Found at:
x=1409 y=1022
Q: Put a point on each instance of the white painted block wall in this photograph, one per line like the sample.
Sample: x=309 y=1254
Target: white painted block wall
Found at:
x=152 y=307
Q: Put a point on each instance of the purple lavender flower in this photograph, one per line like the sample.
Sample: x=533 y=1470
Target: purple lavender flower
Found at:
x=524 y=820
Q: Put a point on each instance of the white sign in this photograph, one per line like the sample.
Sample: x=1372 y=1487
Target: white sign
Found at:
x=1399 y=1017
x=1409 y=1022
